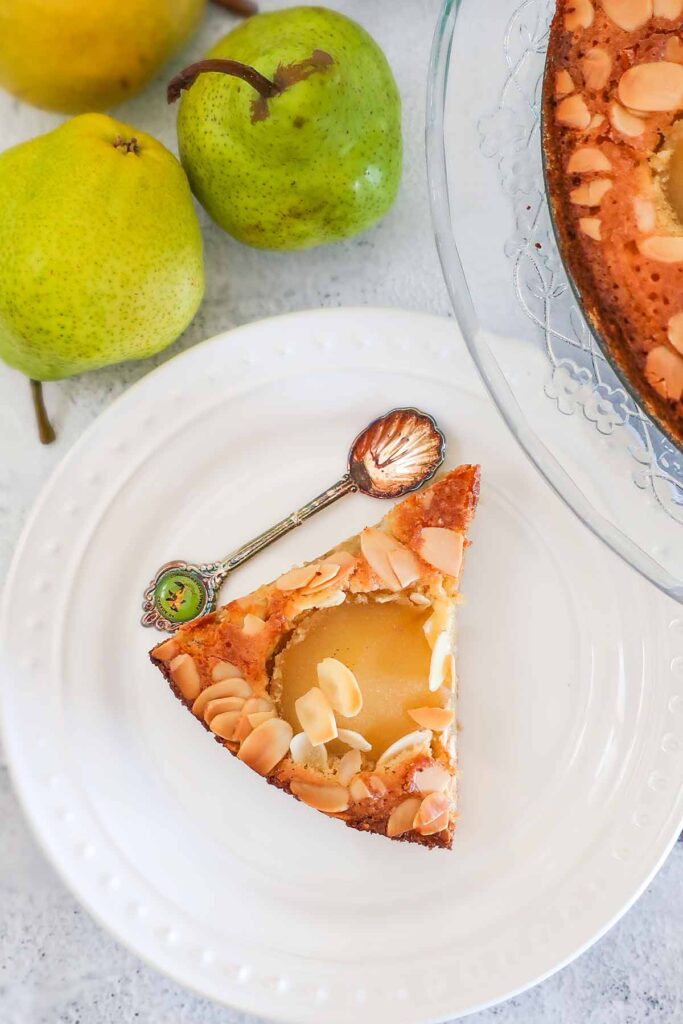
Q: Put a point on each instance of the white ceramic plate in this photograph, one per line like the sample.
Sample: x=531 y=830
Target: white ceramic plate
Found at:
x=571 y=703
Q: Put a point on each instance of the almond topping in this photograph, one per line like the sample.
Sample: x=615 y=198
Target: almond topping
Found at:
x=359 y=791
x=344 y=559
x=376 y=546
x=442 y=548
x=258 y=717
x=434 y=779
x=596 y=67
x=354 y=740
x=669 y=9
x=591 y=193
x=252 y=625
x=406 y=566
x=349 y=766
x=662 y=248
x=564 y=85
x=265 y=747
x=655 y=86
x=591 y=226
x=432 y=817
x=329 y=798
x=645 y=214
x=625 y=122
x=596 y=121
x=436 y=719
x=440 y=668
x=674 y=49
x=628 y=14
x=579 y=14
x=242 y=729
x=421 y=600
x=224 y=670
x=325 y=573
x=295 y=579
x=573 y=112
x=340 y=686
x=224 y=725
x=376 y=786
x=255 y=704
x=664 y=371
x=185 y=675
x=303 y=752
x=587 y=159
x=221 y=704
x=228 y=688
x=315 y=713
x=421 y=738
x=676 y=332
x=167 y=651
x=402 y=817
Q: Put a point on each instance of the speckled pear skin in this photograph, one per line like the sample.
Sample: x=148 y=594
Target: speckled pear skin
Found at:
x=101 y=254
x=325 y=164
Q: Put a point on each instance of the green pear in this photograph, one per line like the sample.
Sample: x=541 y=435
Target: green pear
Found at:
x=290 y=131
x=101 y=249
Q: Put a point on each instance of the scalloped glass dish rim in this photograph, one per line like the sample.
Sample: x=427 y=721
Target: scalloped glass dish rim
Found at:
x=490 y=371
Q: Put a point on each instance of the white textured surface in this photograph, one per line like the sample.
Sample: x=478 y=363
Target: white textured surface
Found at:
x=56 y=965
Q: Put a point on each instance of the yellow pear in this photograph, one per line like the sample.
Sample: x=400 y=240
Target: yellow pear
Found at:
x=74 y=56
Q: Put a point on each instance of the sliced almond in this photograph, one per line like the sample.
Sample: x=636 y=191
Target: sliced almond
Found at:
x=167 y=651
x=652 y=86
x=596 y=121
x=228 y=688
x=664 y=371
x=579 y=14
x=224 y=725
x=329 y=798
x=295 y=579
x=587 y=159
x=591 y=226
x=344 y=559
x=436 y=719
x=674 y=49
x=256 y=704
x=669 y=9
x=220 y=705
x=662 y=248
x=402 y=817
x=421 y=600
x=325 y=573
x=252 y=625
x=434 y=779
x=591 y=193
x=573 y=112
x=406 y=566
x=185 y=675
x=340 y=686
x=564 y=84
x=349 y=766
x=675 y=332
x=359 y=791
x=242 y=729
x=625 y=122
x=442 y=548
x=436 y=624
x=421 y=738
x=258 y=717
x=376 y=786
x=645 y=214
x=224 y=670
x=354 y=740
x=376 y=546
x=303 y=752
x=315 y=713
x=433 y=814
x=628 y=14
x=596 y=67
x=265 y=747
x=440 y=668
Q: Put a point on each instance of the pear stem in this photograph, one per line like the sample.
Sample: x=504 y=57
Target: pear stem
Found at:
x=45 y=429
x=243 y=7
x=188 y=76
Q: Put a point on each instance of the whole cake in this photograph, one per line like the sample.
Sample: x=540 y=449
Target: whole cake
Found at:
x=613 y=147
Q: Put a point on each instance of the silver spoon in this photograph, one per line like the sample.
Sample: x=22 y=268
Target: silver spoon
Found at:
x=394 y=455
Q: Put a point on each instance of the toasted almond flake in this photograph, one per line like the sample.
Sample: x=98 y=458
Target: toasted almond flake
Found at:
x=224 y=725
x=439 y=667
x=579 y=14
x=220 y=705
x=591 y=226
x=625 y=122
x=325 y=573
x=628 y=14
x=664 y=371
x=330 y=798
x=645 y=214
x=340 y=686
x=652 y=86
x=596 y=67
x=295 y=579
x=359 y=791
x=265 y=747
x=587 y=159
x=573 y=112
x=242 y=729
x=354 y=740
x=564 y=84
x=256 y=704
x=225 y=670
x=675 y=332
x=376 y=546
x=406 y=566
x=167 y=651
x=349 y=766
x=252 y=625
x=258 y=717
x=433 y=814
x=669 y=9
x=436 y=719
x=442 y=548
x=344 y=559
x=436 y=624
x=315 y=713
x=434 y=779
x=596 y=121
x=673 y=50
x=662 y=248
x=591 y=193
x=376 y=786
x=331 y=599
x=402 y=817
x=227 y=688
x=420 y=738
x=185 y=675
x=303 y=752
x=421 y=600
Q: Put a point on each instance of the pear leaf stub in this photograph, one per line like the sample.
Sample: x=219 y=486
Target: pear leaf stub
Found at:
x=180 y=596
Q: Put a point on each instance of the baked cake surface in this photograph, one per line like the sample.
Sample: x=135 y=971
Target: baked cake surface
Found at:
x=337 y=681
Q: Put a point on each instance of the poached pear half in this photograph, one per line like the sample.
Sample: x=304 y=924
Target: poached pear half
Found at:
x=101 y=249
x=290 y=129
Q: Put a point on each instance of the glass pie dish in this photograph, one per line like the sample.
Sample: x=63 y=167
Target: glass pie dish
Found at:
x=548 y=376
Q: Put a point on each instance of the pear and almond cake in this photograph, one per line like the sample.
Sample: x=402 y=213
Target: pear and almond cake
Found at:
x=337 y=682
x=613 y=147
